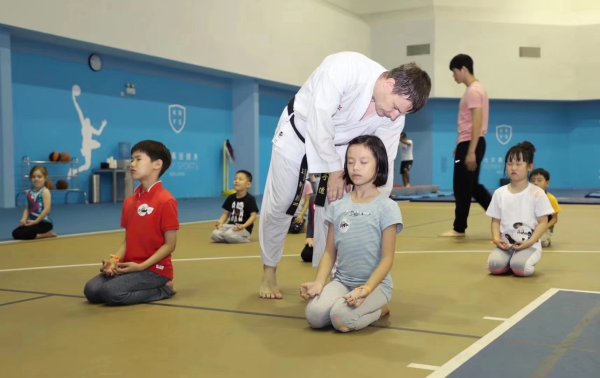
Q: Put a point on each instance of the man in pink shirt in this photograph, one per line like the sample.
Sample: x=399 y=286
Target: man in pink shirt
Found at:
x=473 y=117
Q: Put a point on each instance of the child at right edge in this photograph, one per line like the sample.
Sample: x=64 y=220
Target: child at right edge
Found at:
x=541 y=178
x=519 y=212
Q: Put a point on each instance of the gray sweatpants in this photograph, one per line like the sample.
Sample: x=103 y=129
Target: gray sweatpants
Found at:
x=331 y=308
x=228 y=234
x=522 y=263
x=128 y=289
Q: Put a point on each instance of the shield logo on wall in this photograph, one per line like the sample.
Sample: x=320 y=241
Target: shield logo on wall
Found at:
x=177 y=117
x=503 y=134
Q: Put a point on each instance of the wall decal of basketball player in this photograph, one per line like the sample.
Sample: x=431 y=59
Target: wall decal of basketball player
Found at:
x=88 y=143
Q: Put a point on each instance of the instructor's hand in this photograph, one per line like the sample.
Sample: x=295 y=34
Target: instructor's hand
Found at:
x=335 y=186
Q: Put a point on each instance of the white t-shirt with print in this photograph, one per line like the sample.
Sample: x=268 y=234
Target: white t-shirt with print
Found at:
x=518 y=212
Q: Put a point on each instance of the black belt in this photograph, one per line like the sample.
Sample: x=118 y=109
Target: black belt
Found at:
x=290 y=109
x=302 y=176
x=300 y=188
x=321 y=195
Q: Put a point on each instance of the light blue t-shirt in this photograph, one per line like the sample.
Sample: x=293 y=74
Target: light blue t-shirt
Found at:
x=358 y=236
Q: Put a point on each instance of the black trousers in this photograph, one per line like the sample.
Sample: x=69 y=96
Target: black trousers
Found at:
x=466 y=184
x=30 y=232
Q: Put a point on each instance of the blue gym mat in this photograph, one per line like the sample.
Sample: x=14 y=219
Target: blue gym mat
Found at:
x=559 y=339
x=564 y=196
x=595 y=194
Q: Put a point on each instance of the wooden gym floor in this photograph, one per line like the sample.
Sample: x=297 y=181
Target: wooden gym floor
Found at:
x=216 y=326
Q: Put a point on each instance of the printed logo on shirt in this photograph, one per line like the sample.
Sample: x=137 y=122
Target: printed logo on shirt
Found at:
x=520 y=233
x=339 y=107
x=344 y=225
x=159 y=267
x=144 y=210
x=237 y=212
x=354 y=213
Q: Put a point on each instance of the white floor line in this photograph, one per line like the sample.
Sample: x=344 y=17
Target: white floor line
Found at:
x=64 y=236
x=48 y=267
x=477 y=346
x=222 y=258
x=442 y=251
x=580 y=291
x=100 y=232
x=495 y=318
x=198 y=259
x=422 y=366
x=98 y=263
x=239 y=257
x=487 y=251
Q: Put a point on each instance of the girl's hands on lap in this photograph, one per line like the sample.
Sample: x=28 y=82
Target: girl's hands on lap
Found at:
x=502 y=244
x=309 y=290
x=521 y=246
x=357 y=296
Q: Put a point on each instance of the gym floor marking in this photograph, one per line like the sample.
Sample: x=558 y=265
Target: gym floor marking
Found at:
x=422 y=366
x=91 y=233
x=42 y=295
x=495 y=318
x=258 y=256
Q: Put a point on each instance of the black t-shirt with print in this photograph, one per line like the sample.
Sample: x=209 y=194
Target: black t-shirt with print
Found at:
x=240 y=209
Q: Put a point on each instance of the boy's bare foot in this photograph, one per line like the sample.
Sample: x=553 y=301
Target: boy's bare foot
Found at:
x=385 y=311
x=452 y=234
x=268 y=288
x=48 y=234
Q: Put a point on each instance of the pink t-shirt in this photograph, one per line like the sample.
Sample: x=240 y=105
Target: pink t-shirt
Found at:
x=475 y=97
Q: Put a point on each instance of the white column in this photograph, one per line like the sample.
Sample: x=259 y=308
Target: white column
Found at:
x=7 y=163
x=245 y=130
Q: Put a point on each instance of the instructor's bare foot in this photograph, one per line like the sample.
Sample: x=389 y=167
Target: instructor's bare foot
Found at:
x=268 y=288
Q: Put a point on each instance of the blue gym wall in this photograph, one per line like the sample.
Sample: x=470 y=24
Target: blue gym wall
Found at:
x=45 y=120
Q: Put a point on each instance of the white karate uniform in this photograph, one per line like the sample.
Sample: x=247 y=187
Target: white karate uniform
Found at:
x=328 y=111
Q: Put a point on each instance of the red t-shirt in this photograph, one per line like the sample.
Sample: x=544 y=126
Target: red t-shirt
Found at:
x=146 y=217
